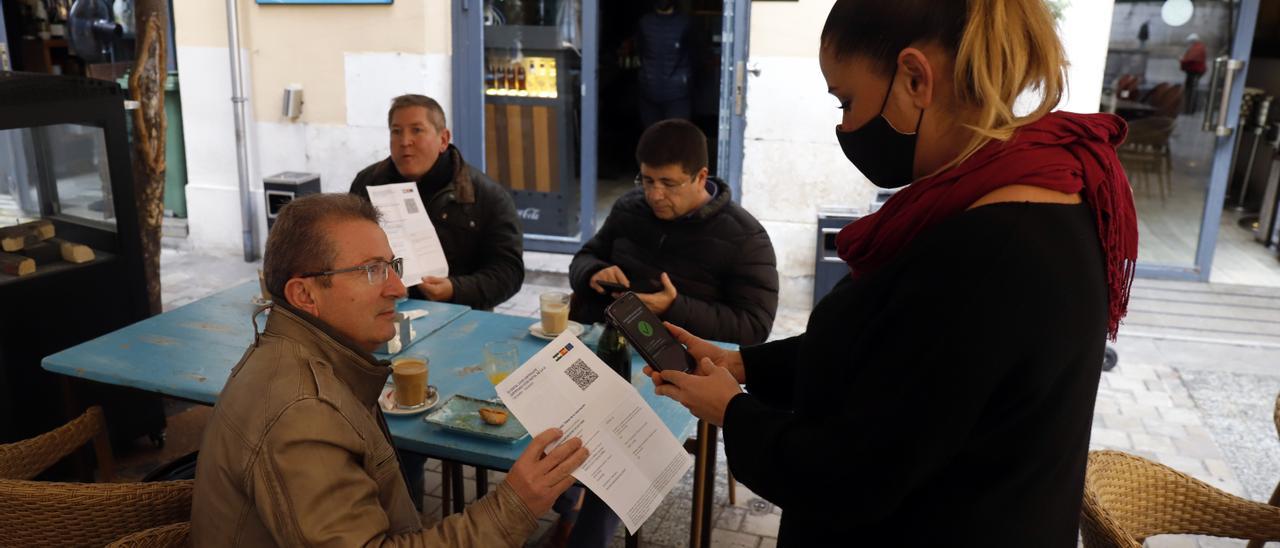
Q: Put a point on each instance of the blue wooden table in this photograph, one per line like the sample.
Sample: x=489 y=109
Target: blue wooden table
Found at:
x=188 y=352
x=455 y=355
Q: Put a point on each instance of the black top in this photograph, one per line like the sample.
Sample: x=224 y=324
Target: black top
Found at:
x=718 y=257
x=945 y=399
x=476 y=221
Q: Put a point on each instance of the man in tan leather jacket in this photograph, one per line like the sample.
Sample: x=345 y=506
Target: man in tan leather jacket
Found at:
x=297 y=452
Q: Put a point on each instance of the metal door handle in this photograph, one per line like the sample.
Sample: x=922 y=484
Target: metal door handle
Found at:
x=1228 y=67
x=1218 y=63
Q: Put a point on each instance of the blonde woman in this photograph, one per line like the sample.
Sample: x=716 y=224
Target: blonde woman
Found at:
x=943 y=393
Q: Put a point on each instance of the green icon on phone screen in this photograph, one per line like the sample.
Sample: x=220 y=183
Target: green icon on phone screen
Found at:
x=645 y=328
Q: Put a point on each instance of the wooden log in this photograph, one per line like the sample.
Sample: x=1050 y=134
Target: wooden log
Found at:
x=14 y=238
x=43 y=253
x=40 y=227
x=16 y=265
x=11 y=243
x=73 y=252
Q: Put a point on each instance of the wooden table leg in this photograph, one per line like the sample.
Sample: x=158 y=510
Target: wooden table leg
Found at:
x=459 y=489
x=446 y=487
x=709 y=483
x=701 y=462
x=482 y=481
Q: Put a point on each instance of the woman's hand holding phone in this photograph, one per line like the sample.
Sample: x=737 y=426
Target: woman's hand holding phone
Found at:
x=699 y=349
x=707 y=391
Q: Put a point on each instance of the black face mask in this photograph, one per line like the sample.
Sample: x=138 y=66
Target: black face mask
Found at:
x=882 y=153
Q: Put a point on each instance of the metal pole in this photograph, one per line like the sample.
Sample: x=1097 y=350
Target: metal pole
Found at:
x=238 y=100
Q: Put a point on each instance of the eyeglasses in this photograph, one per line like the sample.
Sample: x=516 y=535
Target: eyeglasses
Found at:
x=376 y=271
x=648 y=183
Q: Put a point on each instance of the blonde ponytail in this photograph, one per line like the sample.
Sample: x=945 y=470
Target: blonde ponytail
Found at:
x=1007 y=47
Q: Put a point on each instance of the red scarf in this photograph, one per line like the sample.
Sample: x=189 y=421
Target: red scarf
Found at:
x=1063 y=151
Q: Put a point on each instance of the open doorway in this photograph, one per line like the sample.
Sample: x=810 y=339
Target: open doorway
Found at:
x=549 y=94
x=658 y=59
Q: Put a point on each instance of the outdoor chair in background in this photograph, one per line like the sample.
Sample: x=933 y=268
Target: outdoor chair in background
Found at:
x=24 y=460
x=1168 y=101
x=1275 y=495
x=165 y=536
x=44 y=513
x=1146 y=153
x=1127 y=87
x=1128 y=499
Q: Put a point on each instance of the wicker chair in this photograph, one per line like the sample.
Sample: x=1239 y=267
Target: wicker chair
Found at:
x=1128 y=498
x=1275 y=495
x=25 y=459
x=87 y=514
x=165 y=536
x=1146 y=152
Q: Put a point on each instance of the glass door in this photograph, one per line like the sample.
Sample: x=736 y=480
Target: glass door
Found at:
x=1174 y=71
x=547 y=100
x=733 y=92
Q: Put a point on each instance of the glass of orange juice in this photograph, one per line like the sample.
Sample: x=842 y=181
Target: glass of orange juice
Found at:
x=500 y=360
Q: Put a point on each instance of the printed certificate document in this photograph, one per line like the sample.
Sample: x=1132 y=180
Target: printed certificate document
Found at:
x=635 y=460
x=409 y=230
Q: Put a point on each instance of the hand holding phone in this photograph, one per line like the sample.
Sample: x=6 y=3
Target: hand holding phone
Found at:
x=645 y=332
x=613 y=276
x=610 y=287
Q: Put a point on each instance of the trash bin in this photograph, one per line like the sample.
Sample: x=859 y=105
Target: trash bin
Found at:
x=828 y=267
x=282 y=188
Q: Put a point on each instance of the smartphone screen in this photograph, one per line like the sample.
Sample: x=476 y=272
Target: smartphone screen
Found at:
x=647 y=335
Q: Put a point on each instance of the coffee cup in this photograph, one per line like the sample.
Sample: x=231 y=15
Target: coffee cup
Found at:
x=410 y=378
x=555 y=312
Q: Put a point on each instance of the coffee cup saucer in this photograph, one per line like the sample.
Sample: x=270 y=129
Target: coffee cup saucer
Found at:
x=574 y=328
x=387 y=401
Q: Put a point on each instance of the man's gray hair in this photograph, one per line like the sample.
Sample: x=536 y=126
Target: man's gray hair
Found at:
x=299 y=241
x=435 y=113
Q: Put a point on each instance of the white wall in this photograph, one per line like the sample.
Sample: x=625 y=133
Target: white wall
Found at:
x=213 y=182
x=792 y=163
x=350 y=61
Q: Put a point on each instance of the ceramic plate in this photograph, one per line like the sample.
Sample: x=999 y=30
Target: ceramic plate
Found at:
x=388 y=401
x=461 y=414
x=574 y=328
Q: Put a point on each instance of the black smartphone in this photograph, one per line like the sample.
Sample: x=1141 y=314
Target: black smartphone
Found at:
x=610 y=287
x=647 y=335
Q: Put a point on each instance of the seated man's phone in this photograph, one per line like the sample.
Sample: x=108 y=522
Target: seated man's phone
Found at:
x=610 y=287
x=647 y=335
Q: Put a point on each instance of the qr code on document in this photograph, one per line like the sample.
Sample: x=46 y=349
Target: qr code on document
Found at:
x=411 y=205
x=581 y=374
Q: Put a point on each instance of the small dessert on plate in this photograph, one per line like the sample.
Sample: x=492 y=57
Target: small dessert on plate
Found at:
x=490 y=415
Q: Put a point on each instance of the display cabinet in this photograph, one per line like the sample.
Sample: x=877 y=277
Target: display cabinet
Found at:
x=530 y=112
x=71 y=267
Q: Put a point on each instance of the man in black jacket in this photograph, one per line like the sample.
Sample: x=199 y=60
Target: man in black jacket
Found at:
x=474 y=217
x=695 y=258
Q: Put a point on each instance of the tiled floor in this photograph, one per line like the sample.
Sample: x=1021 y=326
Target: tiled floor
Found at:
x=1197 y=398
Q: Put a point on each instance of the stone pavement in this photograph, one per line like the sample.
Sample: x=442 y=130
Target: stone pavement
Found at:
x=1197 y=379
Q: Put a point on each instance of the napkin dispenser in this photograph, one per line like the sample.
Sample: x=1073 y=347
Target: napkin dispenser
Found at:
x=403 y=337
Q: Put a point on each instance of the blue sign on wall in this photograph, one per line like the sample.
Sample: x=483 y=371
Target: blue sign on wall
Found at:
x=330 y=2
